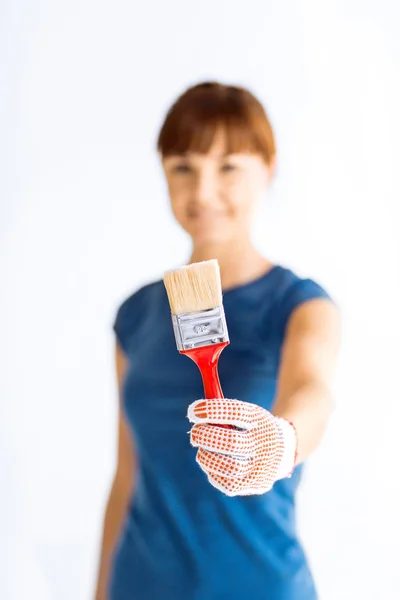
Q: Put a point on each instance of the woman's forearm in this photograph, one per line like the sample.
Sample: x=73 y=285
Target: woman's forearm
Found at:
x=114 y=517
x=308 y=408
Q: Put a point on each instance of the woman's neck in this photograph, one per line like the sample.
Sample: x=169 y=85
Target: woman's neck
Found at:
x=239 y=262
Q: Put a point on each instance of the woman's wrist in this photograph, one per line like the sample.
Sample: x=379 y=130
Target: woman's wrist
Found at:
x=289 y=440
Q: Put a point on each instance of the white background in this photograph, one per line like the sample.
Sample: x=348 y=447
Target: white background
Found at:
x=85 y=220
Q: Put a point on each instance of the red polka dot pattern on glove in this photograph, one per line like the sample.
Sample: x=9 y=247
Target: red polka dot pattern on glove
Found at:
x=247 y=459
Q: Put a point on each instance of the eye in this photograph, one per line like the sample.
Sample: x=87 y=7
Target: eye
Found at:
x=182 y=168
x=228 y=167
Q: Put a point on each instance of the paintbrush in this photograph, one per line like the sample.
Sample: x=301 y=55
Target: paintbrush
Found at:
x=198 y=318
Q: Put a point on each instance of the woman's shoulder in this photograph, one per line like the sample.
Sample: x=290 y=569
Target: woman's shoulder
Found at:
x=130 y=311
x=293 y=289
x=293 y=283
x=140 y=296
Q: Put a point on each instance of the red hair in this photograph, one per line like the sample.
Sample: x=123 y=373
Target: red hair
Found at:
x=207 y=108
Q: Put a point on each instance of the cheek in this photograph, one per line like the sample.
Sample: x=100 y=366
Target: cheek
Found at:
x=178 y=197
x=242 y=197
x=177 y=193
x=178 y=211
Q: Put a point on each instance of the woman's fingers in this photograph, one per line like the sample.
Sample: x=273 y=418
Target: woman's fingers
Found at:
x=240 y=486
x=225 y=411
x=223 y=465
x=222 y=440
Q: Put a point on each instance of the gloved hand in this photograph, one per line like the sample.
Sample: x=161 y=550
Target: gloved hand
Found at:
x=247 y=460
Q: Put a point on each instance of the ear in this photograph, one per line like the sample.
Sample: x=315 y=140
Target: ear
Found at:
x=272 y=169
x=269 y=172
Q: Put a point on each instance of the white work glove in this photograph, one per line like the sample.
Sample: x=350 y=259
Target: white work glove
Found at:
x=248 y=458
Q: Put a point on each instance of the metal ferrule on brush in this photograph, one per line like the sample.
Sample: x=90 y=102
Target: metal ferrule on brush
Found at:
x=203 y=328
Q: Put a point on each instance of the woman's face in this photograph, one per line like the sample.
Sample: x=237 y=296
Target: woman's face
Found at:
x=214 y=195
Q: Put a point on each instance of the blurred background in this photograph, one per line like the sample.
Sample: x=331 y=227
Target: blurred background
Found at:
x=85 y=220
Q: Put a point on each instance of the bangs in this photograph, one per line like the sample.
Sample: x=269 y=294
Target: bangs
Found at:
x=209 y=110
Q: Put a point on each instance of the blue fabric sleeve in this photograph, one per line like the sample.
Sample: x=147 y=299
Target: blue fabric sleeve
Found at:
x=129 y=315
x=299 y=292
x=121 y=325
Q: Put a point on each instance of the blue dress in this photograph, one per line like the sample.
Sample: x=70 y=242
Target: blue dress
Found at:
x=182 y=539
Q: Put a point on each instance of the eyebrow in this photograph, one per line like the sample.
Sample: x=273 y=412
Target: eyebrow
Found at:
x=187 y=154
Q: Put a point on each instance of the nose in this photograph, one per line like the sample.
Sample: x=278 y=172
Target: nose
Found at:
x=205 y=189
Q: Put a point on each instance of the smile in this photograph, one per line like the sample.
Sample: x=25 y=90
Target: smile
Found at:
x=208 y=215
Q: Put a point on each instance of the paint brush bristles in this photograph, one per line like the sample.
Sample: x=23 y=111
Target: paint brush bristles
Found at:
x=194 y=288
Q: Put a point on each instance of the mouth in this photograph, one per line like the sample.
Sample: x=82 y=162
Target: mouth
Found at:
x=207 y=215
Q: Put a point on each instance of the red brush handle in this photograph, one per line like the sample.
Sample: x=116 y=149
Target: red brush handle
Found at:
x=206 y=358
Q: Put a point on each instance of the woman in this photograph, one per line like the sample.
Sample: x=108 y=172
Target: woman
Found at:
x=175 y=530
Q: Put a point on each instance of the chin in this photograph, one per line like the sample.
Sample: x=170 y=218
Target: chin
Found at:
x=214 y=231
x=210 y=237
